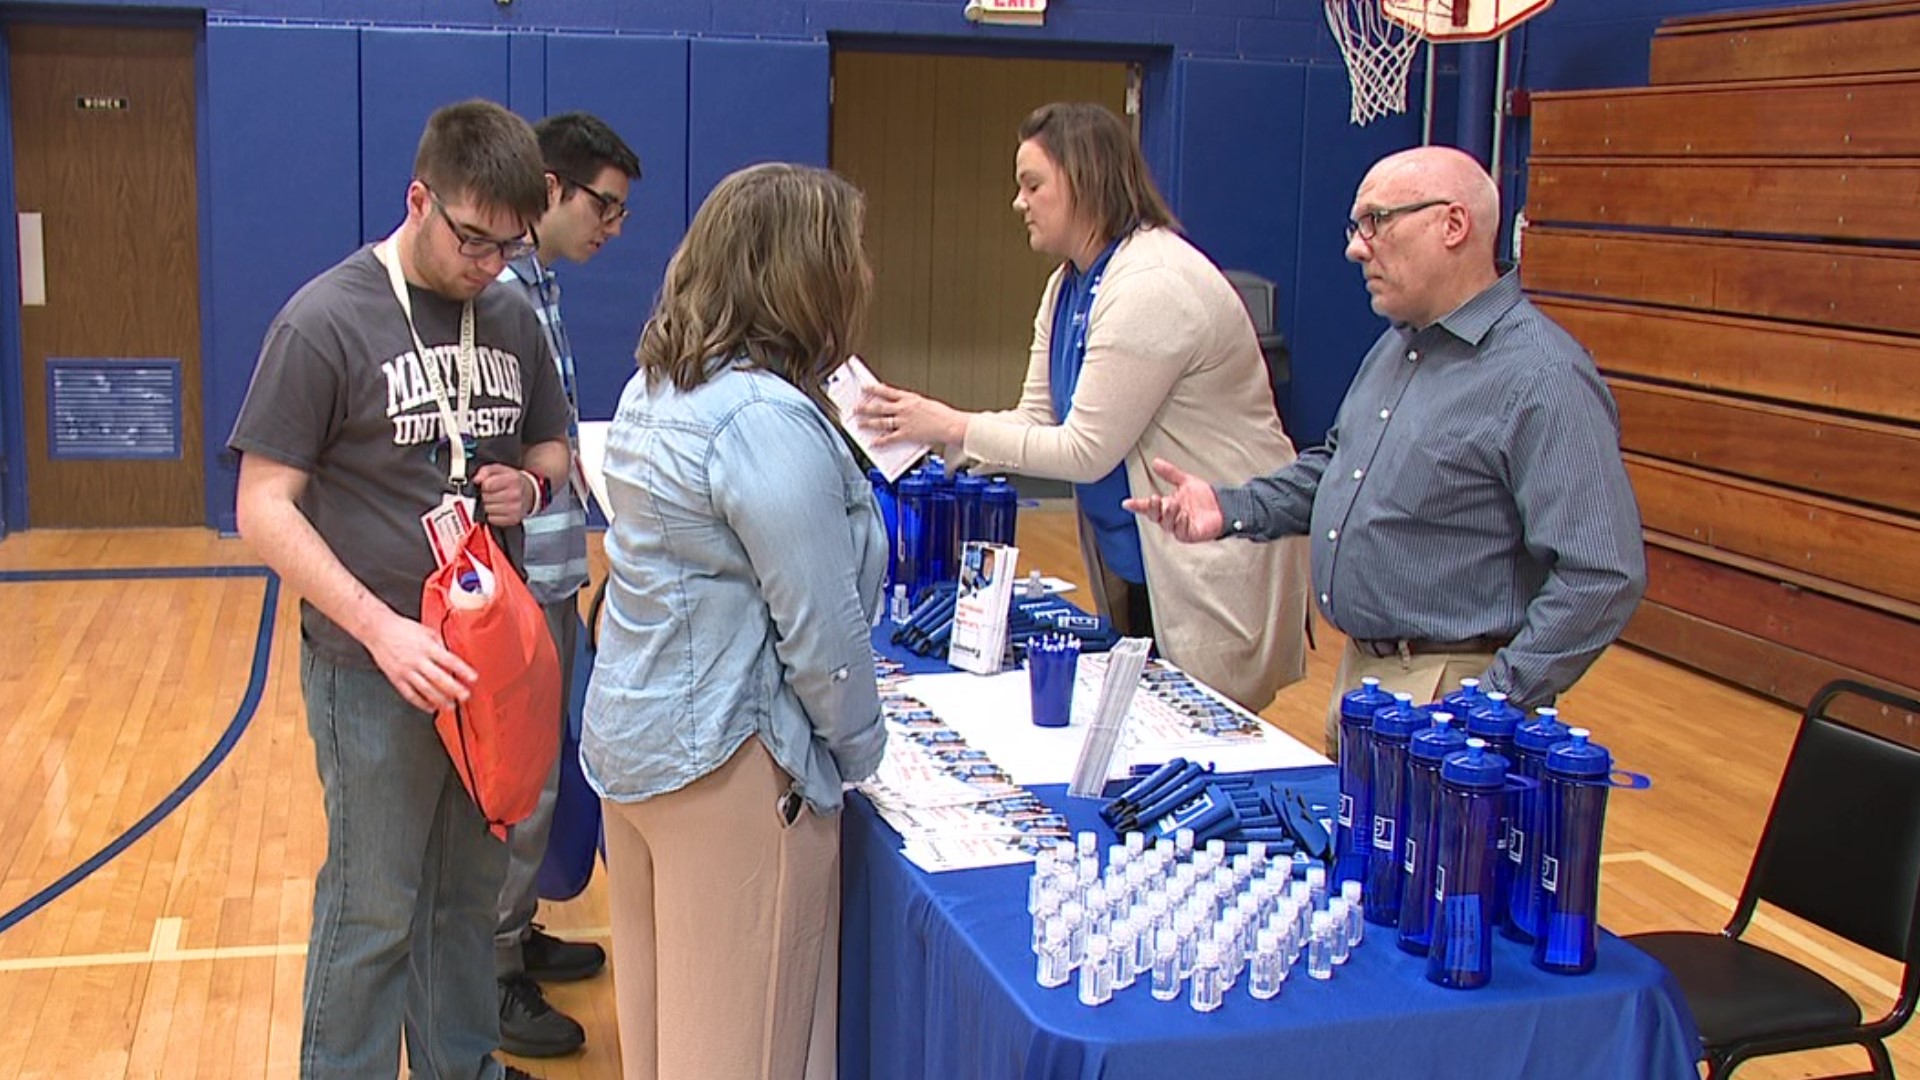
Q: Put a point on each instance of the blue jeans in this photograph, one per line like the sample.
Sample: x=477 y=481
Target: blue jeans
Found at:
x=403 y=909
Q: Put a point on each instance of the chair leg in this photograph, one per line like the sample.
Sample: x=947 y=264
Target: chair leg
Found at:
x=1882 y=1062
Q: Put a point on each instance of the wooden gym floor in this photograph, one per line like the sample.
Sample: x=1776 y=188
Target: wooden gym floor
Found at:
x=182 y=956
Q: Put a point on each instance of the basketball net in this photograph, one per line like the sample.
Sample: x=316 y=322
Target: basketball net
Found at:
x=1379 y=54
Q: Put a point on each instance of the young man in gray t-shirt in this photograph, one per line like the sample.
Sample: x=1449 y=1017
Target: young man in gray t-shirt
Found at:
x=343 y=444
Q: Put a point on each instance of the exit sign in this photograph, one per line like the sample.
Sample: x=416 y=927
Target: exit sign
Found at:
x=1015 y=12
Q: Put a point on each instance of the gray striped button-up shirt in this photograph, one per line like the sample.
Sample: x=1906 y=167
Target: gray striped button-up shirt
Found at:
x=1471 y=487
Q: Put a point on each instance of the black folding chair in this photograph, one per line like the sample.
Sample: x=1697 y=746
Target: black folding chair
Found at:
x=1841 y=849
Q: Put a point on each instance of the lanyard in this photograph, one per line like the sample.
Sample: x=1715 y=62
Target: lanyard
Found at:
x=1073 y=313
x=453 y=420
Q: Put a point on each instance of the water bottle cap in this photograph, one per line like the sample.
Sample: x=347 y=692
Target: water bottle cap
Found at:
x=1476 y=768
x=469 y=581
x=969 y=484
x=914 y=484
x=1538 y=735
x=1579 y=757
x=1436 y=742
x=1396 y=721
x=1495 y=719
x=1358 y=706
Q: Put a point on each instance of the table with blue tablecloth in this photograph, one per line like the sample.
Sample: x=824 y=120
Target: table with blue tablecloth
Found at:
x=937 y=981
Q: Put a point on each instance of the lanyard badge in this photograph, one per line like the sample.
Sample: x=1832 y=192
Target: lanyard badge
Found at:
x=446 y=525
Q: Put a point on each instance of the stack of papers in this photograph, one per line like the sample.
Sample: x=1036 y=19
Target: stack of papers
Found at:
x=961 y=751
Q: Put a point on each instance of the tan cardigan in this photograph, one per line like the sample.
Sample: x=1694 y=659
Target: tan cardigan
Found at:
x=1172 y=370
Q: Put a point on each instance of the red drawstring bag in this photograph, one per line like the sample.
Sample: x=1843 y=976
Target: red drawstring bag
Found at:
x=503 y=739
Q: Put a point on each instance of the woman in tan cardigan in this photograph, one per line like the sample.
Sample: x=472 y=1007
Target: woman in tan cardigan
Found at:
x=1141 y=349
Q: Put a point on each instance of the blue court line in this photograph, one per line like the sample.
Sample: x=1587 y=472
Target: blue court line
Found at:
x=256 y=685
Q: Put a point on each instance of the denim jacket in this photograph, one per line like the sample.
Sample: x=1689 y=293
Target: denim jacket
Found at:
x=747 y=559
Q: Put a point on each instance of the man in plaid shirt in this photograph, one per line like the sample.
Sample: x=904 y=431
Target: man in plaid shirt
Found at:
x=589 y=170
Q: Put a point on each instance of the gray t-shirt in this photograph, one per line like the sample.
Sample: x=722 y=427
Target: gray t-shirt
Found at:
x=339 y=394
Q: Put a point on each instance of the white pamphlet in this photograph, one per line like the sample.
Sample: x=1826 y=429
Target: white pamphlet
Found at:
x=980 y=609
x=844 y=388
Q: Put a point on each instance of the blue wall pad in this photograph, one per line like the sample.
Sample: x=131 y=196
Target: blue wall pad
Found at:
x=285 y=187
x=1240 y=169
x=1333 y=323
x=404 y=76
x=527 y=75
x=249 y=702
x=639 y=86
x=752 y=101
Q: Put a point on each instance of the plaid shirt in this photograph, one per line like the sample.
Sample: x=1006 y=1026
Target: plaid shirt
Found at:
x=556 y=558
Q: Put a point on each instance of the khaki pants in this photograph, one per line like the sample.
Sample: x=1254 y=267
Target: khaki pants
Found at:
x=1427 y=677
x=726 y=927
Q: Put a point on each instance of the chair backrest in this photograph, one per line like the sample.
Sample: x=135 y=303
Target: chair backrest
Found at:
x=1256 y=293
x=1841 y=846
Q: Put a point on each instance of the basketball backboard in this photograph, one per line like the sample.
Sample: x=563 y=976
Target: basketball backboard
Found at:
x=1461 y=20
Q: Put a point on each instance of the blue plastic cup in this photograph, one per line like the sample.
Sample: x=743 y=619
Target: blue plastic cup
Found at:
x=1050 y=674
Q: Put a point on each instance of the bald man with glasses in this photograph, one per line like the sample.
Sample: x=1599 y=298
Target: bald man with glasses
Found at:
x=1469 y=513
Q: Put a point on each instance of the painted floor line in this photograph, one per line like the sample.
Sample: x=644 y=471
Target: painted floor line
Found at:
x=164 y=948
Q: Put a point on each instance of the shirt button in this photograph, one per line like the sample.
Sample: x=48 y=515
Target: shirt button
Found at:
x=1333 y=534
x=1238 y=525
x=1358 y=473
x=1384 y=413
x=1323 y=598
x=1413 y=354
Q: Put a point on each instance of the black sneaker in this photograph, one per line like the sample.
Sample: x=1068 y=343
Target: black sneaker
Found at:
x=529 y=1027
x=546 y=958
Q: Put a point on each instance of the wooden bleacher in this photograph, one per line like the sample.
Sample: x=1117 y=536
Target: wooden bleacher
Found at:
x=1739 y=247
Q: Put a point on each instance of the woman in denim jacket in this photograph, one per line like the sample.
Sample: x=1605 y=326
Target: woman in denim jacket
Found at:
x=734 y=688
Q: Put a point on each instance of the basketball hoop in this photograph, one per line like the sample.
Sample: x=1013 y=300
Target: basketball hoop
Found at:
x=1379 y=54
x=1379 y=37
x=1461 y=20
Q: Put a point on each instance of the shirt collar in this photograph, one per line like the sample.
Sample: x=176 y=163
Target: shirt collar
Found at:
x=1471 y=321
x=528 y=269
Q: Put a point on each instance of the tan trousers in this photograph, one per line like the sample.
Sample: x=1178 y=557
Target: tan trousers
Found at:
x=725 y=927
x=1427 y=677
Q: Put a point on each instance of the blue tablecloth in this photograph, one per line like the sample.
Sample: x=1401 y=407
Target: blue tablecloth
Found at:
x=937 y=981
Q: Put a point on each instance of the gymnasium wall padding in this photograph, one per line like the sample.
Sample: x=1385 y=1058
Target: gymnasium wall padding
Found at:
x=638 y=85
x=283 y=157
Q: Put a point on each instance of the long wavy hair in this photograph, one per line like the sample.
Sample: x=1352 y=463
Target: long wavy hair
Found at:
x=772 y=269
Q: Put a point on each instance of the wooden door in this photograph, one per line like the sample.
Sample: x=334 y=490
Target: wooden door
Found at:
x=930 y=139
x=104 y=169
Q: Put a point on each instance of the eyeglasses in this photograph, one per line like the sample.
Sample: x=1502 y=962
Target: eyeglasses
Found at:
x=474 y=246
x=1367 y=225
x=611 y=209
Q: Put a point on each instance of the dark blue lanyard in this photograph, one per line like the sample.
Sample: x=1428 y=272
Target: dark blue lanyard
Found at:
x=1072 y=315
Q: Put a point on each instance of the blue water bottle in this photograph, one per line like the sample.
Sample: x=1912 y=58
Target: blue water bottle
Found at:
x=969 y=520
x=1472 y=794
x=1392 y=727
x=1463 y=701
x=943 y=558
x=889 y=516
x=1573 y=800
x=1530 y=745
x=1353 y=846
x=999 y=508
x=1424 y=752
x=1495 y=720
x=910 y=551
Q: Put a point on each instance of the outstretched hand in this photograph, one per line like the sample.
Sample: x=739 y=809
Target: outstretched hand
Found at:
x=1191 y=512
x=893 y=415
